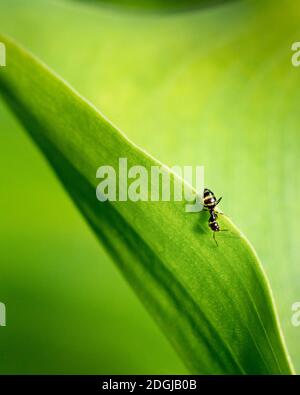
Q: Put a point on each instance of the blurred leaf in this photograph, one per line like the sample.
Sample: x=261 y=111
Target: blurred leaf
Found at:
x=213 y=304
x=156 y=5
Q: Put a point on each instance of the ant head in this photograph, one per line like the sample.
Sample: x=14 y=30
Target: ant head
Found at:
x=214 y=226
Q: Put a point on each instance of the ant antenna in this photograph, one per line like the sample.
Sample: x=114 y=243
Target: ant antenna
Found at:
x=214 y=237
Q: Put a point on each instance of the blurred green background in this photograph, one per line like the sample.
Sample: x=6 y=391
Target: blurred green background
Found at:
x=212 y=87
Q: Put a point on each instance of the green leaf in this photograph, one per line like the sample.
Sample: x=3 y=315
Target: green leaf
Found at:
x=157 y=5
x=214 y=304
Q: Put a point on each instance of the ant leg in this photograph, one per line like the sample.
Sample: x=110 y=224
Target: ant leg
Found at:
x=223 y=230
x=214 y=237
x=218 y=201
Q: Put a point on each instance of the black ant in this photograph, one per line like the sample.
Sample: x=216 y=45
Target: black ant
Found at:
x=209 y=203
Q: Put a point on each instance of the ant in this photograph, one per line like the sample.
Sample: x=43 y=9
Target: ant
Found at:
x=210 y=202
